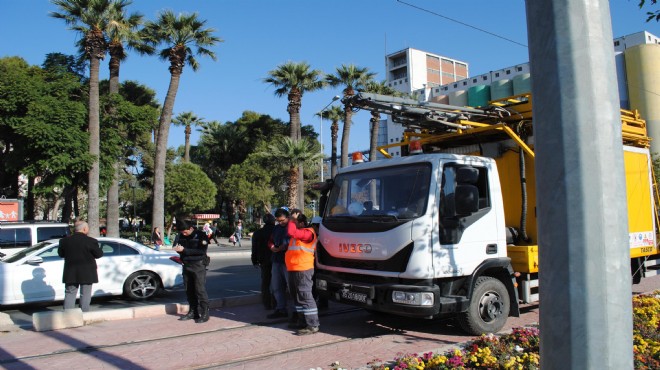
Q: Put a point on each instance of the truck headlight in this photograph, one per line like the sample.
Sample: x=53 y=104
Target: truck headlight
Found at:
x=321 y=284
x=413 y=298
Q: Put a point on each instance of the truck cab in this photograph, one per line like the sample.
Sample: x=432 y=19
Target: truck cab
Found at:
x=420 y=236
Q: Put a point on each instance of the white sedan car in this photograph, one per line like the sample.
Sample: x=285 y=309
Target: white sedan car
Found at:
x=135 y=270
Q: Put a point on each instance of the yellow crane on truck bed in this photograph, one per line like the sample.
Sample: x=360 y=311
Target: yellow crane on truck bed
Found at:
x=504 y=131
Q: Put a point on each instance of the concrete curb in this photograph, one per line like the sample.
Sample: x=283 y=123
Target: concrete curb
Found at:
x=55 y=320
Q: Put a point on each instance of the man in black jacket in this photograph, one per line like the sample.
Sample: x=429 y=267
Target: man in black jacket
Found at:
x=192 y=244
x=80 y=253
x=261 y=257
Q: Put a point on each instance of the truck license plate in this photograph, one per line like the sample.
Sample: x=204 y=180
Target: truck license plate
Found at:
x=353 y=296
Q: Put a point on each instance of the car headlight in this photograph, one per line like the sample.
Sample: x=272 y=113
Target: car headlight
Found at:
x=413 y=298
x=321 y=284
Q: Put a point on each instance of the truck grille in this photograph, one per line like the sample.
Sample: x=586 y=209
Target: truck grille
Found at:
x=396 y=263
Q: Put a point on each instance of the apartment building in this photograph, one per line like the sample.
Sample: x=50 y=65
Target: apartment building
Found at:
x=431 y=77
x=412 y=70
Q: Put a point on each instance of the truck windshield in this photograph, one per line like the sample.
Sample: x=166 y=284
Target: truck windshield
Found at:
x=391 y=193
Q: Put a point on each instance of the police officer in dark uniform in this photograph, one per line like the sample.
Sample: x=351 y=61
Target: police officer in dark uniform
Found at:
x=192 y=244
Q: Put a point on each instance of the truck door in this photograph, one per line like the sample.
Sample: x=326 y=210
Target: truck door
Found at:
x=468 y=227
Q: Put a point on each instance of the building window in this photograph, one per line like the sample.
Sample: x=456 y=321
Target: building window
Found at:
x=474 y=80
x=497 y=74
x=508 y=71
x=464 y=83
x=484 y=78
x=437 y=90
x=456 y=85
x=616 y=43
x=518 y=69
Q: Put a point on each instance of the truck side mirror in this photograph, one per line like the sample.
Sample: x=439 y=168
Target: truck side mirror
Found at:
x=467 y=175
x=467 y=199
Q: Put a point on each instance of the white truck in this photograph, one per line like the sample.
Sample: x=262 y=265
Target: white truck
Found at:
x=453 y=232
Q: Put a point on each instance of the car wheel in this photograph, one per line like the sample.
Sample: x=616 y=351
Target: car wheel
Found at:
x=142 y=285
x=489 y=307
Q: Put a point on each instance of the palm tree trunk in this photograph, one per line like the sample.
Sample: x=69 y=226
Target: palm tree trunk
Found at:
x=112 y=217
x=301 y=188
x=373 y=143
x=293 y=186
x=296 y=134
x=158 y=208
x=94 y=142
x=186 y=154
x=112 y=212
x=345 y=136
x=334 y=131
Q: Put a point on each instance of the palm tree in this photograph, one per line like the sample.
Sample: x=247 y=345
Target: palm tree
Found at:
x=120 y=29
x=376 y=88
x=294 y=79
x=187 y=119
x=334 y=114
x=293 y=154
x=352 y=78
x=90 y=18
x=179 y=35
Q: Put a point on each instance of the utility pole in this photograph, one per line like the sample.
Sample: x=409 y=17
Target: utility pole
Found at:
x=584 y=257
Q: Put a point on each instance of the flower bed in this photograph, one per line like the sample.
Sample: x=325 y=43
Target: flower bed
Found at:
x=520 y=349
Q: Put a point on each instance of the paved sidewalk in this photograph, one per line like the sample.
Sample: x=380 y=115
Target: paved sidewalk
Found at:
x=238 y=337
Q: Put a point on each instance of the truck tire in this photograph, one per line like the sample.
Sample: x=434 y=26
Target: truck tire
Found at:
x=489 y=307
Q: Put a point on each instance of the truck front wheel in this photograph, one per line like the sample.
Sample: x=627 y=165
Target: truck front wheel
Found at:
x=489 y=307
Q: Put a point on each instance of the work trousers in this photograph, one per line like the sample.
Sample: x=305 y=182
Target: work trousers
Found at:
x=279 y=281
x=194 y=279
x=71 y=292
x=300 y=286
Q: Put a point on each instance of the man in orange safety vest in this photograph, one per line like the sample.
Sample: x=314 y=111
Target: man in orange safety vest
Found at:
x=299 y=261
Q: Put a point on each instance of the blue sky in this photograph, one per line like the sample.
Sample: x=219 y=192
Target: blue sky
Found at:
x=260 y=35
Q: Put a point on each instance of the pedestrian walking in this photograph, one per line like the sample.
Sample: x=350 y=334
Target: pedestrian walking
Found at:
x=157 y=238
x=238 y=233
x=214 y=233
x=278 y=244
x=80 y=253
x=192 y=245
x=261 y=257
x=299 y=261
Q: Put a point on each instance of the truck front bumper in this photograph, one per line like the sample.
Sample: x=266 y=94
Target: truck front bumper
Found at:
x=418 y=299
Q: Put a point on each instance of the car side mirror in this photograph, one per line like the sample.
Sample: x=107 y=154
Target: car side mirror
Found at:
x=35 y=260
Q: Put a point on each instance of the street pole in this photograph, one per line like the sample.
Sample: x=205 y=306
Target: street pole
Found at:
x=584 y=254
x=134 y=185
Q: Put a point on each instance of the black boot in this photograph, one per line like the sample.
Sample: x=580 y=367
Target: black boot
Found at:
x=189 y=316
x=204 y=317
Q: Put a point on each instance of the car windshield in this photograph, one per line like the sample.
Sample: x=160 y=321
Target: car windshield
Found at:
x=385 y=194
x=25 y=252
